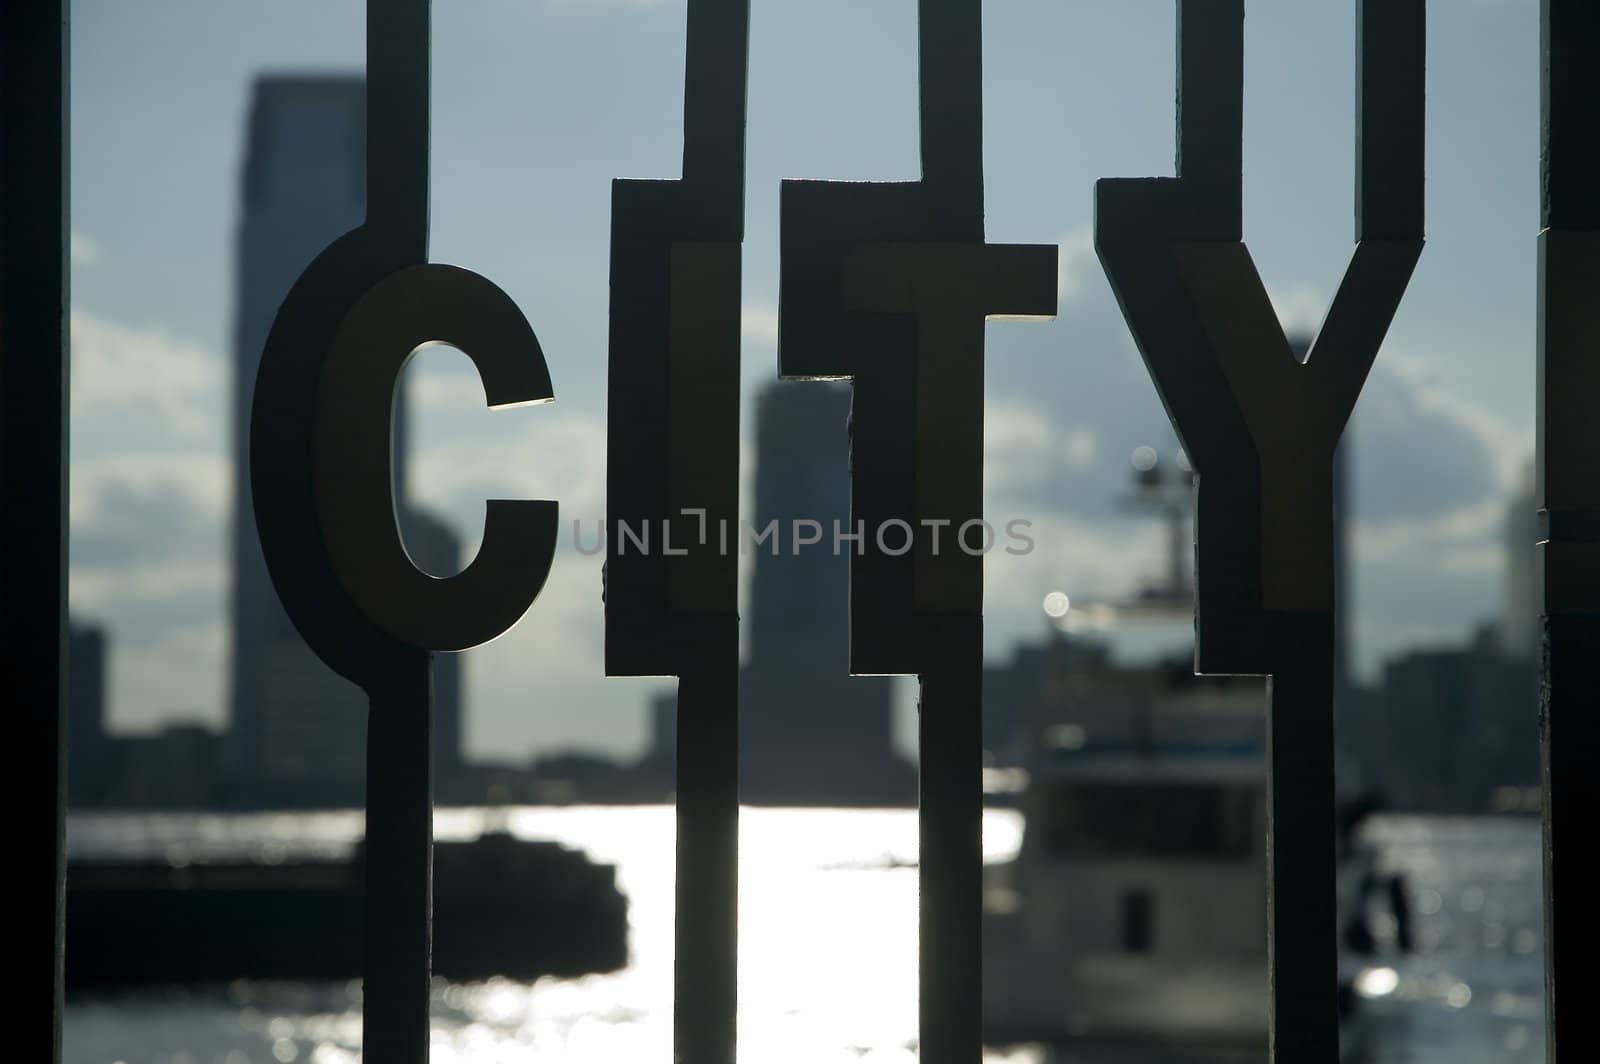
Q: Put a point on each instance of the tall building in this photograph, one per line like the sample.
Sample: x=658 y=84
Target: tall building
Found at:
x=1462 y=728
x=810 y=733
x=88 y=746
x=1520 y=629
x=298 y=734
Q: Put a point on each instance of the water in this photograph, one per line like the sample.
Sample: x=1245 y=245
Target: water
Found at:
x=1473 y=993
x=827 y=955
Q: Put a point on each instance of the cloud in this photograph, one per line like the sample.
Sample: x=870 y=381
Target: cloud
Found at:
x=1431 y=472
x=542 y=454
x=144 y=386
x=84 y=251
x=1300 y=309
x=151 y=509
x=1434 y=474
x=151 y=495
x=137 y=508
x=147 y=561
x=1077 y=265
x=758 y=323
x=1025 y=447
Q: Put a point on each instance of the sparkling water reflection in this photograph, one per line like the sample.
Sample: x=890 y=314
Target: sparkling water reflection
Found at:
x=1473 y=993
x=828 y=962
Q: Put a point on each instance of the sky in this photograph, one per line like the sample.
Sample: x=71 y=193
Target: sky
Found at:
x=539 y=104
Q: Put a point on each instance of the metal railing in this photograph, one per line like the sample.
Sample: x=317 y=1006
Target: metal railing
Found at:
x=885 y=284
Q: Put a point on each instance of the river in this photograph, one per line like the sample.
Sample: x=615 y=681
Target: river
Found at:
x=828 y=922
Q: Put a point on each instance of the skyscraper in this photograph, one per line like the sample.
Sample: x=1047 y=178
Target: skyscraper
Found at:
x=298 y=731
x=1520 y=630
x=298 y=734
x=810 y=733
x=88 y=745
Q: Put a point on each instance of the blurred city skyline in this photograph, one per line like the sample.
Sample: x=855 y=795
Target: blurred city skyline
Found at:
x=538 y=106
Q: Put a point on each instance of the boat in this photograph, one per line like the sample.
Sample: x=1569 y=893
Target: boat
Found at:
x=1133 y=919
x=1132 y=924
x=503 y=906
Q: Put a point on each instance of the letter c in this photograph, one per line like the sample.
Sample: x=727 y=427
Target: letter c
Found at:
x=352 y=470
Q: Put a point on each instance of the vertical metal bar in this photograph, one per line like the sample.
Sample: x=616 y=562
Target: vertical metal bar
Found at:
x=1210 y=112
x=398 y=80
x=1302 y=915
x=706 y=932
x=34 y=115
x=1569 y=506
x=1391 y=106
x=398 y=888
x=351 y=469
x=716 y=60
x=398 y=877
x=323 y=486
x=950 y=54
x=950 y=829
x=890 y=285
x=703 y=440
x=1570 y=153
x=673 y=467
x=1263 y=427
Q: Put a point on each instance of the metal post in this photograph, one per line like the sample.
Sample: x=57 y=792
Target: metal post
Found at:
x=1261 y=428
x=33 y=489
x=890 y=286
x=706 y=928
x=673 y=474
x=1569 y=506
x=398 y=875
x=323 y=486
x=950 y=829
x=1302 y=904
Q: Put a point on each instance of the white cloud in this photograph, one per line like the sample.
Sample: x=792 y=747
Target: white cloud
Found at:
x=1433 y=474
x=549 y=455
x=149 y=509
x=201 y=480
x=84 y=251
x=462 y=453
x=153 y=388
x=1080 y=448
x=1078 y=267
x=1462 y=540
x=758 y=323
x=1507 y=448
x=1025 y=447
x=1300 y=309
x=147 y=561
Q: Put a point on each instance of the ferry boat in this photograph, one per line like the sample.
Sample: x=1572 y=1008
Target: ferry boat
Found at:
x=503 y=906
x=1132 y=923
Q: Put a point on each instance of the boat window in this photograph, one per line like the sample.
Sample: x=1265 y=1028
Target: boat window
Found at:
x=1137 y=918
x=1154 y=820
